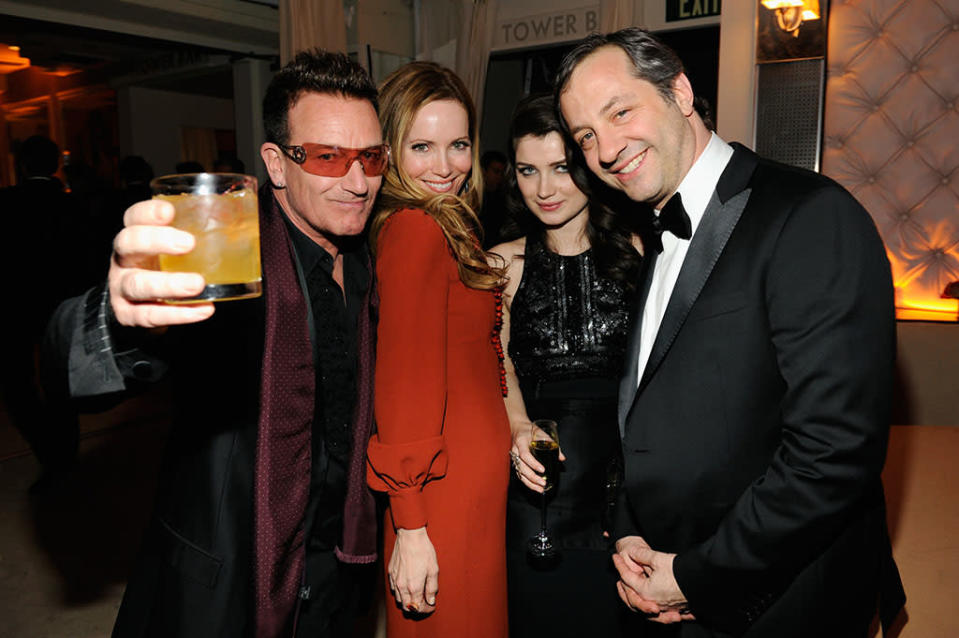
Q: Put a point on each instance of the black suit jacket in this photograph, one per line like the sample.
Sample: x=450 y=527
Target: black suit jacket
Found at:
x=194 y=575
x=755 y=441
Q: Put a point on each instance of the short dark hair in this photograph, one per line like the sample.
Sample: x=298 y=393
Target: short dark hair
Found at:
x=489 y=157
x=653 y=61
x=39 y=156
x=312 y=71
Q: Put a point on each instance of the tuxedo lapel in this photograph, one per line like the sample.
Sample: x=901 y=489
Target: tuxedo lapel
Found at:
x=628 y=382
x=720 y=218
x=707 y=245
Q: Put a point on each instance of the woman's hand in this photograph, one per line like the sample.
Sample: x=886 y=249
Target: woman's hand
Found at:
x=414 y=571
x=528 y=470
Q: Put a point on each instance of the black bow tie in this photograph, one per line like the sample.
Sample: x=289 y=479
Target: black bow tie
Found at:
x=672 y=218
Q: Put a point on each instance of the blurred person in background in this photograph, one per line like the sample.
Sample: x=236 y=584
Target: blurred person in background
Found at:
x=492 y=214
x=46 y=257
x=229 y=165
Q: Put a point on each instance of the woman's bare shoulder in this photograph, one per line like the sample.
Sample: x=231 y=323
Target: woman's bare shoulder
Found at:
x=509 y=250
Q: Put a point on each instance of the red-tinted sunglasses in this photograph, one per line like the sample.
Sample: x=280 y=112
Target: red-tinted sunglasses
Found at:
x=335 y=161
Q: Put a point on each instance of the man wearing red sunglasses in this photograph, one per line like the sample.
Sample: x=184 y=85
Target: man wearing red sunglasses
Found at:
x=263 y=521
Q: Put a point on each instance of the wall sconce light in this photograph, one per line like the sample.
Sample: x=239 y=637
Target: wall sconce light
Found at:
x=790 y=14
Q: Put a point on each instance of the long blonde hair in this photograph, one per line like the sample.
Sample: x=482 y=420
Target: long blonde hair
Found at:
x=404 y=92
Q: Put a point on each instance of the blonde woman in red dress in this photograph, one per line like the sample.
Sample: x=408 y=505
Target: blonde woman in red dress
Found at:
x=442 y=441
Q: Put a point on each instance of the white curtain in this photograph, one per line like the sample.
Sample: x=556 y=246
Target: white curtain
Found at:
x=615 y=15
x=437 y=30
x=305 y=24
x=458 y=34
x=473 y=47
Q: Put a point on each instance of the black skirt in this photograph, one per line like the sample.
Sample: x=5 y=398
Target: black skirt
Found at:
x=573 y=594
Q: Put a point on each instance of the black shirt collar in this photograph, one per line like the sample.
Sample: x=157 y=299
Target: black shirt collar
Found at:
x=311 y=255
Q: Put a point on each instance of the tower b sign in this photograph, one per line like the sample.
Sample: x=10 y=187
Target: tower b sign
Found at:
x=546 y=28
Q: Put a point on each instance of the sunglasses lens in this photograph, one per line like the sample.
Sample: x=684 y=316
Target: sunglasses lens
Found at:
x=330 y=161
x=374 y=160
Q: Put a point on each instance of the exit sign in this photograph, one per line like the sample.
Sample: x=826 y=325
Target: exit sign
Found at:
x=689 y=9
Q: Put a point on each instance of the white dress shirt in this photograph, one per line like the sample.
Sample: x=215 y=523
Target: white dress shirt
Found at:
x=696 y=190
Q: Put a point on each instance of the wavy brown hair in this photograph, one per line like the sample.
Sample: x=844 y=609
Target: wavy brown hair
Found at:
x=403 y=93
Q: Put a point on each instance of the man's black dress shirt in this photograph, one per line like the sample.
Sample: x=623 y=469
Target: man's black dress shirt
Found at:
x=333 y=333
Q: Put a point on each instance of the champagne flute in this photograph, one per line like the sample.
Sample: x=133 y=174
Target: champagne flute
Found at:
x=544 y=445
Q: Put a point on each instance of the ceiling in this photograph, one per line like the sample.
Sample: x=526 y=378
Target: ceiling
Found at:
x=113 y=58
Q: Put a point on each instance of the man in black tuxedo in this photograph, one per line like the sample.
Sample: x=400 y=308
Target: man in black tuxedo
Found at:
x=755 y=403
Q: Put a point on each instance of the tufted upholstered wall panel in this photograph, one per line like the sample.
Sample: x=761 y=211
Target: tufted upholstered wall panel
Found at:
x=891 y=136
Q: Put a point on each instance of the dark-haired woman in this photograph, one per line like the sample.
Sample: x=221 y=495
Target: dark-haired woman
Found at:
x=442 y=432
x=566 y=307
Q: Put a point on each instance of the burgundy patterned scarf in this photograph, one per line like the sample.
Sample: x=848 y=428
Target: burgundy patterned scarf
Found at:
x=283 y=450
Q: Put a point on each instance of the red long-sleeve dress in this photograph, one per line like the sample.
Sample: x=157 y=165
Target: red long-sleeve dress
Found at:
x=442 y=441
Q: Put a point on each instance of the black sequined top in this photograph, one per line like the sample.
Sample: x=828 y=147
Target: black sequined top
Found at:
x=565 y=321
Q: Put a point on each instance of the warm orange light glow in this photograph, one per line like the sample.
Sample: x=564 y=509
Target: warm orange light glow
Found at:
x=10 y=59
x=921 y=269
x=62 y=72
x=781 y=4
x=810 y=8
x=926 y=314
x=790 y=14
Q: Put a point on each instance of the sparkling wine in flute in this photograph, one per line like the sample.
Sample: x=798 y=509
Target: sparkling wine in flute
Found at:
x=547 y=452
x=544 y=445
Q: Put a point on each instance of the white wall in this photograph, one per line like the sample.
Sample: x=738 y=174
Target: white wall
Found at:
x=736 y=99
x=150 y=122
x=250 y=80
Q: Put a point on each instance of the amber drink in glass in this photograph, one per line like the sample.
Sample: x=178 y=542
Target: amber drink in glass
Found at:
x=220 y=211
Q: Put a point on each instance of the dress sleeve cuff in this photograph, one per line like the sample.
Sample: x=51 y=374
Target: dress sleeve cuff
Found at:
x=401 y=470
x=408 y=508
